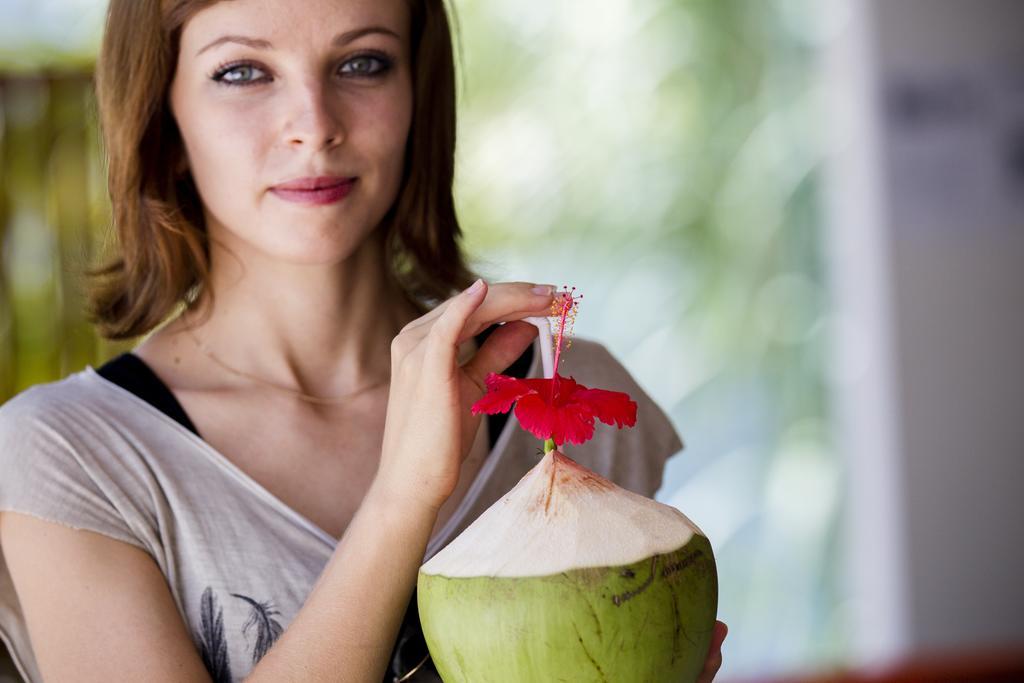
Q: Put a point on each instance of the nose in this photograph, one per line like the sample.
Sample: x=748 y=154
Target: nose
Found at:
x=314 y=119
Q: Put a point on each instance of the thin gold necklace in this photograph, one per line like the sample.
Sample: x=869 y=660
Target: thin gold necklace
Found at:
x=294 y=392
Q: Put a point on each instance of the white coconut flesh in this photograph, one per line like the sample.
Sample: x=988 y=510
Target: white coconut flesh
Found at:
x=560 y=517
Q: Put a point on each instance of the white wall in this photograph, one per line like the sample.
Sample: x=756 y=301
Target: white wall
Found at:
x=927 y=250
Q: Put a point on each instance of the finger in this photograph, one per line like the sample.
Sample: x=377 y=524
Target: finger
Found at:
x=719 y=634
x=499 y=351
x=436 y=312
x=714 y=660
x=510 y=305
x=505 y=301
x=443 y=335
x=414 y=332
x=711 y=667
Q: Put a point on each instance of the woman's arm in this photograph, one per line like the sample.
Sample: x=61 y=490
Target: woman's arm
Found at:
x=97 y=609
x=347 y=627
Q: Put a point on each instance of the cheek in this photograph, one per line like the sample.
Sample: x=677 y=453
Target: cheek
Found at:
x=222 y=146
x=390 y=133
x=215 y=134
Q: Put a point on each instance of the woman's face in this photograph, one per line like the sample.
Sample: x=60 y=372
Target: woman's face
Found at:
x=299 y=92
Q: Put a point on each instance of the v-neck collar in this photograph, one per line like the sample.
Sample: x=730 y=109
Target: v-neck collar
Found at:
x=472 y=493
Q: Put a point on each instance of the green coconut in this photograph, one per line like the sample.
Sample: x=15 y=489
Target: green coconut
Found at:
x=570 y=577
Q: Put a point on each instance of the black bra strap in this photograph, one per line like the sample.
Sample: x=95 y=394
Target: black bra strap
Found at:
x=132 y=373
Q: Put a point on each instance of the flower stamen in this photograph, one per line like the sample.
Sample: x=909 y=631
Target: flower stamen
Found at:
x=565 y=306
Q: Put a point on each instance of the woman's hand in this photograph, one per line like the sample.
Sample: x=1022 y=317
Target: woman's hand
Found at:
x=714 y=660
x=429 y=428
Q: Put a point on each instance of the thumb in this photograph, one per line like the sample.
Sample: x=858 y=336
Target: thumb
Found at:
x=499 y=351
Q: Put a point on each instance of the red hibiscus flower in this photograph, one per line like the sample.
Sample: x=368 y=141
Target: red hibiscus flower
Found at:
x=557 y=408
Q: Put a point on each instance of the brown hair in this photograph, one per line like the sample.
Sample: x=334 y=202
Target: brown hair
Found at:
x=163 y=253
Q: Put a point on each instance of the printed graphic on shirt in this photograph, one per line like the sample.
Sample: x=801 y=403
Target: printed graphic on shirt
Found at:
x=213 y=645
x=261 y=617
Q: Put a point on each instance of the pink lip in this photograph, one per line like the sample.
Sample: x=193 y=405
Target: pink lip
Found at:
x=316 y=191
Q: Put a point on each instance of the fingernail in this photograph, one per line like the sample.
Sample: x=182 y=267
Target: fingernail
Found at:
x=542 y=290
x=475 y=287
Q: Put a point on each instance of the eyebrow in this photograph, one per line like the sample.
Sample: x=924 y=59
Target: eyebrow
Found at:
x=260 y=44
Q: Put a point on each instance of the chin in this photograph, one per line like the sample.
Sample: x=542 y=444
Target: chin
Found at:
x=308 y=241
x=312 y=254
x=320 y=249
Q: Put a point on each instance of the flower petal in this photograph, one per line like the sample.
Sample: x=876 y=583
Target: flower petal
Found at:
x=536 y=416
x=575 y=424
x=502 y=392
x=610 y=407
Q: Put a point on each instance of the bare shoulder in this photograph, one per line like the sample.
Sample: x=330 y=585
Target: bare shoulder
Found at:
x=96 y=608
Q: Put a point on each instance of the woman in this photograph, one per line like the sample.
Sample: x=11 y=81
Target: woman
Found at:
x=288 y=448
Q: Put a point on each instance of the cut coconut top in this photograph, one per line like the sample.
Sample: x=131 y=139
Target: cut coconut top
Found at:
x=562 y=516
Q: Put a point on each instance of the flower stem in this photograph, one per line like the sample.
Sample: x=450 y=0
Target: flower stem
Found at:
x=549 y=445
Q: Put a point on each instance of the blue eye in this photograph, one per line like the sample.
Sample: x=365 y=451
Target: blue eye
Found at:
x=246 y=73
x=237 y=74
x=384 y=63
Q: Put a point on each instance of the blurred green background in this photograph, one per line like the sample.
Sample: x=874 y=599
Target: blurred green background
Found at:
x=662 y=156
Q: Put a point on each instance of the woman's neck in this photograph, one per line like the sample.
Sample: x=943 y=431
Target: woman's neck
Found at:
x=323 y=331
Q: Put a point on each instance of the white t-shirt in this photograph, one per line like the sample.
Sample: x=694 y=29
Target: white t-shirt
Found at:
x=86 y=453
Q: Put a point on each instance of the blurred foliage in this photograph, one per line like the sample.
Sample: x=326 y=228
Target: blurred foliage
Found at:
x=52 y=217
x=660 y=155
x=52 y=33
